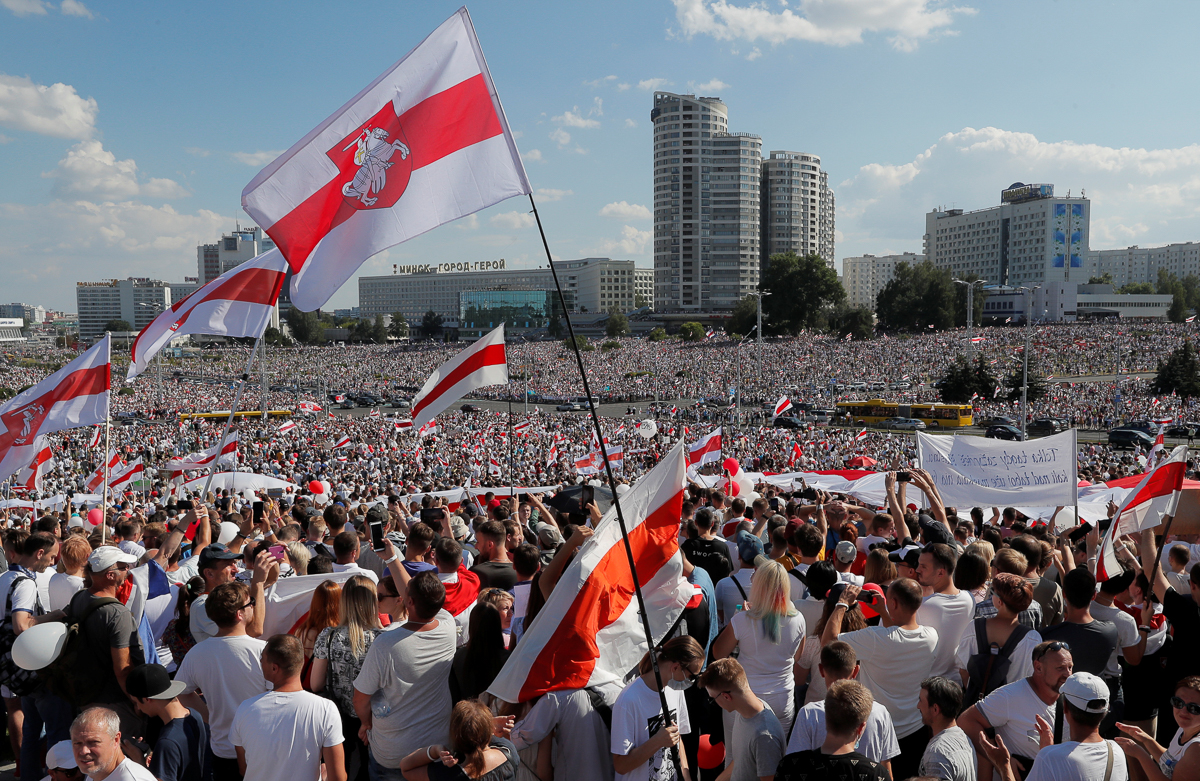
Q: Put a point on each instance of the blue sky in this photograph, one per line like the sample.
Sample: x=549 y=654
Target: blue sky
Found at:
x=128 y=129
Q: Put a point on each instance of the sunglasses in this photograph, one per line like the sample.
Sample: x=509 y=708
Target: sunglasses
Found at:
x=1057 y=645
x=248 y=604
x=1192 y=708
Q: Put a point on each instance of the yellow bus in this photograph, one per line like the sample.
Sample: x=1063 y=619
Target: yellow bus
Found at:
x=245 y=413
x=876 y=411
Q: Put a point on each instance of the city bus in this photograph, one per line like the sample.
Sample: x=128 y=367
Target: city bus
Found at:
x=245 y=413
x=876 y=411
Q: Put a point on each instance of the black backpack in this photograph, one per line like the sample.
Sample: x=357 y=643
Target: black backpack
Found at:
x=987 y=669
x=18 y=680
x=68 y=675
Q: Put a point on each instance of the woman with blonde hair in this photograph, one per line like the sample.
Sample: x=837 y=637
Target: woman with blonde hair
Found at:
x=338 y=656
x=298 y=557
x=475 y=750
x=879 y=569
x=770 y=634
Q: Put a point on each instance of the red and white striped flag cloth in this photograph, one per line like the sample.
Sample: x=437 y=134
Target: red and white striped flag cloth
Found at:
x=237 y=303
x=75 y=395
x=424 y=144
x=520 y=429
x=589 y=632
x=616 y=456
x=483 y=363
x=589 y=464
x=98 y=432
x=343 y=442
x=286 y=427
x=781 y=406
x=976 y=339
x=31 y=476
x=426 y=429
x=96 y=478
x=706 y=450
x=552 y=456
x=1190 y=319
x=997 y=393
x=373 y=413
x=132 y=471
x=331 y=416
x=1155 y=496
x=308 y=406
x=620 y=431
x=860 y=436
x=796 y=455
x=401 y=425
x=493 y=467
x=1158 y=444
x=339 y=398
x=224 y=454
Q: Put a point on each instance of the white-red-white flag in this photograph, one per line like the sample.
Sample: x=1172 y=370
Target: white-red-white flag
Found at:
x=552 y=456
x=708 y=449
x=402 y=425
x=97 y=432
x=783 y=405
x=288 y=426
x=796 y=455
x=237 y=303
x=1158 y=444
x=589 y=631
x=31 y=476
x=521 y=429
x=343 y=442
x=424 y=144
x=616 y=456
x=373 y=413
x=493 y=467
x=427 y=429
x=589 y=464
x=134 y=470
x=75 y=395
x=480 y=365
x=308 y=406
x=222 y=454
x=96 y=478
x=860 y=436
x=1155 y=496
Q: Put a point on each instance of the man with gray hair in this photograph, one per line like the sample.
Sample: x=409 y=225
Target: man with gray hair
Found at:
x=96 y=743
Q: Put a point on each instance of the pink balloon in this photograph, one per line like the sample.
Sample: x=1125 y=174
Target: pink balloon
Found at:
x=731 y=465
x=316 y=487
x=95 y=516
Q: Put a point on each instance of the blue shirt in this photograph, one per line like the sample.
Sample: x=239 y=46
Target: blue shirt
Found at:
x=181 y=753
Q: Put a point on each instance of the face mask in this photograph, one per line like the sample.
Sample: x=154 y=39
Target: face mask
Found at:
x=680 y=685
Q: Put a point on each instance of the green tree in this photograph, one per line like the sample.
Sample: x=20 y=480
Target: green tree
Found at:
x=609 y=346
x=274 y=337
x=657 y=335
x=581 y=343
x=985 y=381
x=1137 y=288
x=960 y=301
x=1104 y=279
x=743 y=318
x=802 y=292
x=1178 y=312
x=958 y=381
x=306 y=327
x=1037 y=383
x=379 y=333
x=856 y=321
x=640 y=300
x=691 y=331
x=916 y=297
x=118 y=325
x=398 y=328
x=431 y=324
x=617 y=325
x=1179 y=373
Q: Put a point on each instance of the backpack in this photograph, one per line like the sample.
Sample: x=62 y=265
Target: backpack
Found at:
x=18 y=680
x=987 y=669
x=602 y=708
x=66 y=676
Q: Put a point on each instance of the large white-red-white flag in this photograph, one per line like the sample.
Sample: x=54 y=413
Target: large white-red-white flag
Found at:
x=1155 y=496
x=783 y=405
x=222 y=454
x=237 y=303
x=96 y=479
x=31 y=476
x=589 y=631
x=706 y=450
x=483 y=363
x=134 y=470
x=75 y=395
x=425 y=143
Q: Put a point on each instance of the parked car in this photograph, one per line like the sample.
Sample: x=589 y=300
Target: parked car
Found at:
x=1004 y=431
x=903 y=424
x=1044 y=427
x=902 y=385
x=788 y=422
x=471 y=408
x=400 y=404
x=346 y=404
x=1144 y=426
x=998 y=420
x=1130 y=438
x=1180 y=430
x=571 y=406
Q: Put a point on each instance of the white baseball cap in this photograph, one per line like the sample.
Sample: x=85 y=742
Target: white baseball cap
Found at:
x=60 y=756
x=106 y=556
x=1087 y=692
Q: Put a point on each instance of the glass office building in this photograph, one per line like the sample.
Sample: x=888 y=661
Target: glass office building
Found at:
x=482 y=310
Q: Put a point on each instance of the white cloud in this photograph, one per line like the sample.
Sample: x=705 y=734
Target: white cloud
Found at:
x=1148 y=195
x=517 y=133
x=652 y=84
x=56 y=110
x=256 y=159
x=91 y=170
x=597 y=107
x=532 y=155
x=513 y=220
x=632 y=242
x=754 y=54
x=26 y=7
x=5 y=139
x=630 y=123
x=833 y=22
x=579 y=150
x=560 y=137
x=710 y=86
x=575 y=118
x=599 y=82
x=468 y=223
x=76 y=8
x=625 y=211
x=197 y=151
x=547 y=194
x=623 y=86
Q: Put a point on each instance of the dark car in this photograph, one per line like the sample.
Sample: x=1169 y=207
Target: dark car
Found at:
x=1180 y=430
x=1044 y=427
x=471 y=408
x=1011 y=433
x=1144 y=426
x=998 y=420
x=1130 y=438
x=346 y=404
x=788 y=422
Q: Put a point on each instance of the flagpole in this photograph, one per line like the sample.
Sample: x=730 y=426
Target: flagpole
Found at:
x=104 y=493
x=237 y=399
x=616 y=501
x=511 y=494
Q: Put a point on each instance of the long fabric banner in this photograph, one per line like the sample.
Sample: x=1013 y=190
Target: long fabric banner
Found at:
x=980 y=472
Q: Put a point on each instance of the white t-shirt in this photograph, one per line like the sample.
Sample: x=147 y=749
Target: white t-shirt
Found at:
x=201 y=626
x=1071 y=761
x=1174 y=753
x=768 y=665
x=878 y=741
x=282 y=734
x=412 y=672
x=229 y=671
x=1020 y=662
x=892 y=663
x=1013 y=710
x=62 y=588
x=728 y=596
x=25 y=595
x=43 y=586
x=636 y=717
x=1127 y=633
x=949 y=615
x=129 y=770
x=357 y=570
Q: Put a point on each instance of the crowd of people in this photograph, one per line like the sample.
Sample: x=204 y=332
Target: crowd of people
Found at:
x=269 y=634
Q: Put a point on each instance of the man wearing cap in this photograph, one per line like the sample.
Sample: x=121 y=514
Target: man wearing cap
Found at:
x=181 y=752
x=1086 y=756
x=733 y=592
x=844 y=555
x=218 y=565
x=60 y=761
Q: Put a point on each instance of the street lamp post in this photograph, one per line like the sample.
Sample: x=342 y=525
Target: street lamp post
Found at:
x=1025 y=358
x=971 y=309
x=758 y=296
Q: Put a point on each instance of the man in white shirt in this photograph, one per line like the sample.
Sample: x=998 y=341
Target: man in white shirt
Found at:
x=947 y=610
x=878 y=740
x=345 y=547
x=950 y=756
x=735 y=589
x=227 y=668
x=285 y=734
x=1086 y=756
x=894 y=658
x=96 y=743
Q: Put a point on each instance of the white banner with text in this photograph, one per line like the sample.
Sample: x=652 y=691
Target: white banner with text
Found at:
x=979 y=472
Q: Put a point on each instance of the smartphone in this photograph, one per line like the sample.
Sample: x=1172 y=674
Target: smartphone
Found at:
x=866 y=597
x=275 y=493
x=376 y=535
x=587 y=496
x=184 y=505
x=278 y=551
x=259 y=512
x=904 y=477
x=1080 y=533
x=432 y=516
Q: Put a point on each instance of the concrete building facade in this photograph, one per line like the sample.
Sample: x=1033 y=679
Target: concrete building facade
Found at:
x=797 y=206
x=706 y=205
x=137 y=301
x=863 y=277
x=1141 y=264
x=233 y=249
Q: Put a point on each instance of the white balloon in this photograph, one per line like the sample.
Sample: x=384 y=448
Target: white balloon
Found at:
x=39 y=645
x=647 y=428
x=229 y=530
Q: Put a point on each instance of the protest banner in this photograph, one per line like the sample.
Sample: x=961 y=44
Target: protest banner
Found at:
x=980 y=472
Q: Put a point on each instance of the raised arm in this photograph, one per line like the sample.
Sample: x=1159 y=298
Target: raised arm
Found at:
x=554 y=569
x=1149 y=559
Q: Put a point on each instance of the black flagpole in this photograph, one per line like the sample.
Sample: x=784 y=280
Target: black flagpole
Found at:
x=637 y=585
